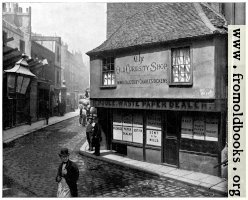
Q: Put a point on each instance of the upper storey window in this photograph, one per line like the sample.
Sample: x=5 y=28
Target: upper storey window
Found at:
x=181 y=70
x=108 y=71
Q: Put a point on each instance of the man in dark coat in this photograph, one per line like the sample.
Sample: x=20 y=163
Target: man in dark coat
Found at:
x=89 y=132
x=70 y=173
x=97 y=138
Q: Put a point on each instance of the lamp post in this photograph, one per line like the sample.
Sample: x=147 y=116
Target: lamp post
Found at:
x=18 y=80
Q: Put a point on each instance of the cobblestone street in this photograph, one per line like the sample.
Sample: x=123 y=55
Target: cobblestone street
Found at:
x=32 y=161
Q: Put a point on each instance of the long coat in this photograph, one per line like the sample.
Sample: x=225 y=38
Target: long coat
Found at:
x=71 y=177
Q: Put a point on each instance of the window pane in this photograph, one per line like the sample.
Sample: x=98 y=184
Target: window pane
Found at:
x=105 y=79
x=181 y=71
x=113 y=78
x=112 y=67
x=109 y=78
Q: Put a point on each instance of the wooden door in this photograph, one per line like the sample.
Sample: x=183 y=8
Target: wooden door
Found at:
x=171 y=139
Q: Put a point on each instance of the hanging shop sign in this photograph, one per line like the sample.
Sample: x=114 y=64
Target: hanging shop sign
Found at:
x=180 y=105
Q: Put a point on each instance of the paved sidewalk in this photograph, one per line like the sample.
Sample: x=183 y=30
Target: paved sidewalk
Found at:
x=207 y=181
x=14 y=133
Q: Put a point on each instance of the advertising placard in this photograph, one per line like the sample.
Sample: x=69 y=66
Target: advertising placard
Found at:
x=153 y=137
x=138 y=134
x=211 y=129
x=187 y=127
x=127 y=134
x=154 y=121
x=117 y=132
x=199 y=129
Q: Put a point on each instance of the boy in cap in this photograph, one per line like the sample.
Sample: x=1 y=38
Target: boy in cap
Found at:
x=67 y=173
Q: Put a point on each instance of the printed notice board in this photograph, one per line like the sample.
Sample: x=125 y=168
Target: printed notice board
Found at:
x=153 y=137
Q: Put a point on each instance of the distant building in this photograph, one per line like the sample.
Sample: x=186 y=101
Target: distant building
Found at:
x=159 y=82
x=74 y=74
x=49 y=48
x=17 y=24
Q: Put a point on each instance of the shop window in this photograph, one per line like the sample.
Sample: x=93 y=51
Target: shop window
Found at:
x=181 y=69
x=199 y=128
x=199 y=134
x=153 y=130
x=128 y=127
x=108 y=71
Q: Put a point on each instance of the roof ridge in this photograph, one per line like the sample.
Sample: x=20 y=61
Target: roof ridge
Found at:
x=203 y=17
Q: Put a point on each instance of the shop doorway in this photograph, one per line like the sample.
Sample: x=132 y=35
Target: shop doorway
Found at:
x=171 y=139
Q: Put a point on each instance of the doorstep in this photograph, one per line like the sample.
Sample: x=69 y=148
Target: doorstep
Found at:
x=213 y=183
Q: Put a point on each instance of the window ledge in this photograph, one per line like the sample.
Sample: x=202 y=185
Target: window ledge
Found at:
x=180 y=84
x=108 y=87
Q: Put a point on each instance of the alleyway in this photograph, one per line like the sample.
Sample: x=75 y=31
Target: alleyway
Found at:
x=31 y=163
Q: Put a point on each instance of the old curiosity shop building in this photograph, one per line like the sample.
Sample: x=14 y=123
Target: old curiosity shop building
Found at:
x=159 y=85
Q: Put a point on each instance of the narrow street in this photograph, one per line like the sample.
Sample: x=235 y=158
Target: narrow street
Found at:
x=30 y=165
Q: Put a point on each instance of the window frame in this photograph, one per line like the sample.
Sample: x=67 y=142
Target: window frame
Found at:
x=102 y=86
x=170 y=75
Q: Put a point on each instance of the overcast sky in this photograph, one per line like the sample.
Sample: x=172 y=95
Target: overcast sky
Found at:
x=81 y=25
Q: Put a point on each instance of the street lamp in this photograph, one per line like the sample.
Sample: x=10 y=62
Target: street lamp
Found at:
x=18 y=77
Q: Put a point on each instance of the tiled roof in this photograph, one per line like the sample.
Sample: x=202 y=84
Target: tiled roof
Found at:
x=164 y=22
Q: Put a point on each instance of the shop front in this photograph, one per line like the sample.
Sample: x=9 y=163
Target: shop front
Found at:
x=180 y=133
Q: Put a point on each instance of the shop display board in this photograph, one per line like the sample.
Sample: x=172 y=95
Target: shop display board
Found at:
x=128 y=127
x=199 y=129
x=117 y=132
x=212 y=129
x=153 y=132
x=137 y=128
x=153 y=137
x=187 y=127
x=117 y=126
x=153 y=121
x=127 y=134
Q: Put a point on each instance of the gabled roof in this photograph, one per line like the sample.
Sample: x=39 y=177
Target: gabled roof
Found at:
x=164 y=22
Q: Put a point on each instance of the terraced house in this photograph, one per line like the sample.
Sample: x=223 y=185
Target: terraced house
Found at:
x=159 y=83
